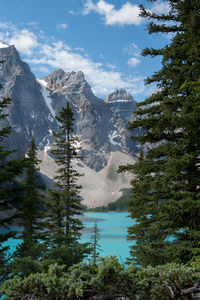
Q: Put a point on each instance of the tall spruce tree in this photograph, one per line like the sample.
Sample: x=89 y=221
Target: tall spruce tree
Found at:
x=166 y=189
x=63 y=225
x=9 y=191
x=95 y=244
x=30 y=216
x=55 y=217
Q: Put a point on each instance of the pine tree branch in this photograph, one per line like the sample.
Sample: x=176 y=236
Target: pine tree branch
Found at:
x=151 y=15
x=192 y=290
x=154 y=28
x=152 y=52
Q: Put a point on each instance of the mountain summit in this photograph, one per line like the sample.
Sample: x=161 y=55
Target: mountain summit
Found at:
x=100 y=125
x=119 y=95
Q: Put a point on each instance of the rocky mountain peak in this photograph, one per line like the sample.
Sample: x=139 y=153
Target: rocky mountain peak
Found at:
x=7 y=50
x=71 y=86
x=12 y=66
x=28 y=113
x=54 y=79
x=100 y=126
x=62 y=81
x=120 y=95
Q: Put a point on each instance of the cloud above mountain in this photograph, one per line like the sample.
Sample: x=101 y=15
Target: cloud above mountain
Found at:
x=128 y=14
x=44 y=54
x=24 y=40
x=133 y=51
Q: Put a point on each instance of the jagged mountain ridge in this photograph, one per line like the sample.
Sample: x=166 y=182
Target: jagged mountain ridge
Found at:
x=101 y=125
x=28 y=114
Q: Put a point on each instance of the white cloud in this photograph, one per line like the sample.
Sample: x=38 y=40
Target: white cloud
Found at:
x=110 y=66
x=24 y=40
x=160 y=7
x=102 y=80
x=80 y=49
x=128 y=14
x=133 y=61
x=33 y=24
x=132 y=50
x=42 y=69
x=62 y=26
x=7 y=25
x=71 y=12
x=45 y=54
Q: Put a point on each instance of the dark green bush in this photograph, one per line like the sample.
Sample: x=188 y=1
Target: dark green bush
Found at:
x=107 y=280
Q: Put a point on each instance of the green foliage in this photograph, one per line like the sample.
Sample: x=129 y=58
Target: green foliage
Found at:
x=55 y=223
x=109 y=280
x=94 y=244
x=65 y=151
x=26 y=265
x=171 y=281
x=108 y=277
x=9 y=191
x=30 y=217
x=63 y=227
x=66 y=255
x=165 y=196
x=55 y=284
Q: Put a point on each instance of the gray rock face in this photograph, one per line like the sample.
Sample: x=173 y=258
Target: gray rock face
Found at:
x=89 y=112
x=122 y=106
x=119 y=95
x=28 y=112
x=101 y=125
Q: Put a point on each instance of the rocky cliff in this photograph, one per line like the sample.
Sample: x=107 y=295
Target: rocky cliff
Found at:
x=101 y=125
x=28 y=113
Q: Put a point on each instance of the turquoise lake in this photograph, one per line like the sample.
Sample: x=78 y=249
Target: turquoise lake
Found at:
x=113 y=232
x=112 y=229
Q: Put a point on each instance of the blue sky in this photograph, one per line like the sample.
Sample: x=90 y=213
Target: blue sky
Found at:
x=102 y=38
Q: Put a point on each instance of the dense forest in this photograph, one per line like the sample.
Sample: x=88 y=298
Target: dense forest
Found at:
x=164 y=200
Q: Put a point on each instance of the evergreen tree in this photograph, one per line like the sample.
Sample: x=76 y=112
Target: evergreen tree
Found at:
x=63 y=225
x=166 y=189
x=55 y=219
x=30 y=213
x=95 y=245
x=9 y=191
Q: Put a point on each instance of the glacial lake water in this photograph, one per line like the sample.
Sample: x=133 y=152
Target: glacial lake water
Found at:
x=113 y=231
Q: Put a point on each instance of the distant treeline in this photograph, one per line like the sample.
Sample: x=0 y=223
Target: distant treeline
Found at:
x=120 y=205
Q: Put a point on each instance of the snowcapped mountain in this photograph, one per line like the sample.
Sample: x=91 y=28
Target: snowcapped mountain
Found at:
x=101 y=125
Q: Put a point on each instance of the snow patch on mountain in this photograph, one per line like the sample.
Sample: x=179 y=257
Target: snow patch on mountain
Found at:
x=50 y=118
x=46 y=95
x=47 y=147
x=120 y=100
x=77 y=108
x=77 y=145
x=112 y=135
